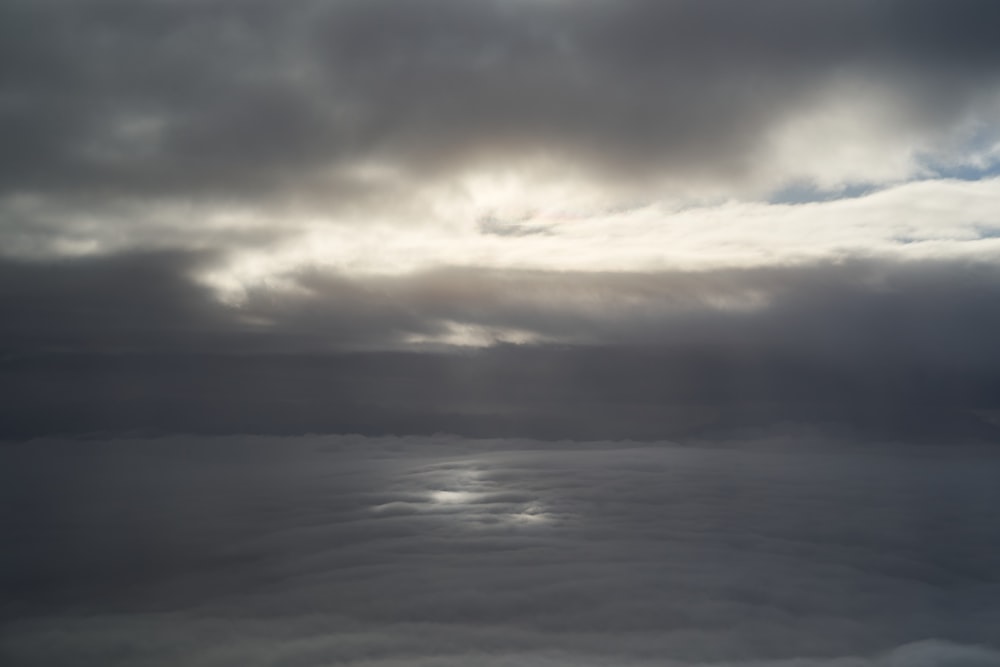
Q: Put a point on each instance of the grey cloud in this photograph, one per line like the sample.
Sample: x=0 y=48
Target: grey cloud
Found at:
x=865 y=308
x=134 y=344
x=797 y=552
x=248 y=100
x=105 y=302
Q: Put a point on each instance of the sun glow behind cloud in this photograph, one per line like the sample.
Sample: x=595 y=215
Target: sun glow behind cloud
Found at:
x=920 y=220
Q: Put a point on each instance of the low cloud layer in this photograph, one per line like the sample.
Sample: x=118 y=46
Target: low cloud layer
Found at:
x=902 y=349
x=800 y=552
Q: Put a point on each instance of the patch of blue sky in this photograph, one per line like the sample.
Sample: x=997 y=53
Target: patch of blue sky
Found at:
x=988 y=231
x=805 y=192
x=967 y=172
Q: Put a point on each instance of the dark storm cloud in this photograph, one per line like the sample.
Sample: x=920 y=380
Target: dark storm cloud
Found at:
x=936 y=310
x=835 y=309
x=94 y=301
x=248 y=98
x=905 y=349
x=770 y=553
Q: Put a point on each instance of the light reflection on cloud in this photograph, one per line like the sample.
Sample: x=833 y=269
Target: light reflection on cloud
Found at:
x=437 y=551
x=464 y=493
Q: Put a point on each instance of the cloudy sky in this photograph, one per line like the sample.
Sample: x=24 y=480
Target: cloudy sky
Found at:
x=571 y=240
x=549 y=218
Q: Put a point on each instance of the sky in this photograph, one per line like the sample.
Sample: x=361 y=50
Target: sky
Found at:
x=500 y=237
x=499 y=217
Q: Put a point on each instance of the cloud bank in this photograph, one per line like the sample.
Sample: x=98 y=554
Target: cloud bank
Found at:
x=900 y=349
x=382 y=552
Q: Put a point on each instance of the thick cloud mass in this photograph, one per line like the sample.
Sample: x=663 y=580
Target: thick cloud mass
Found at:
x=903 y=350
x=449 y=552
x=237 y=126
x=391 y=174
x=326 y=100
x=242 y=98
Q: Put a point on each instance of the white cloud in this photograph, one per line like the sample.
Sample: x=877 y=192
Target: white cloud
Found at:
x=933 y=219
x=516 y=224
